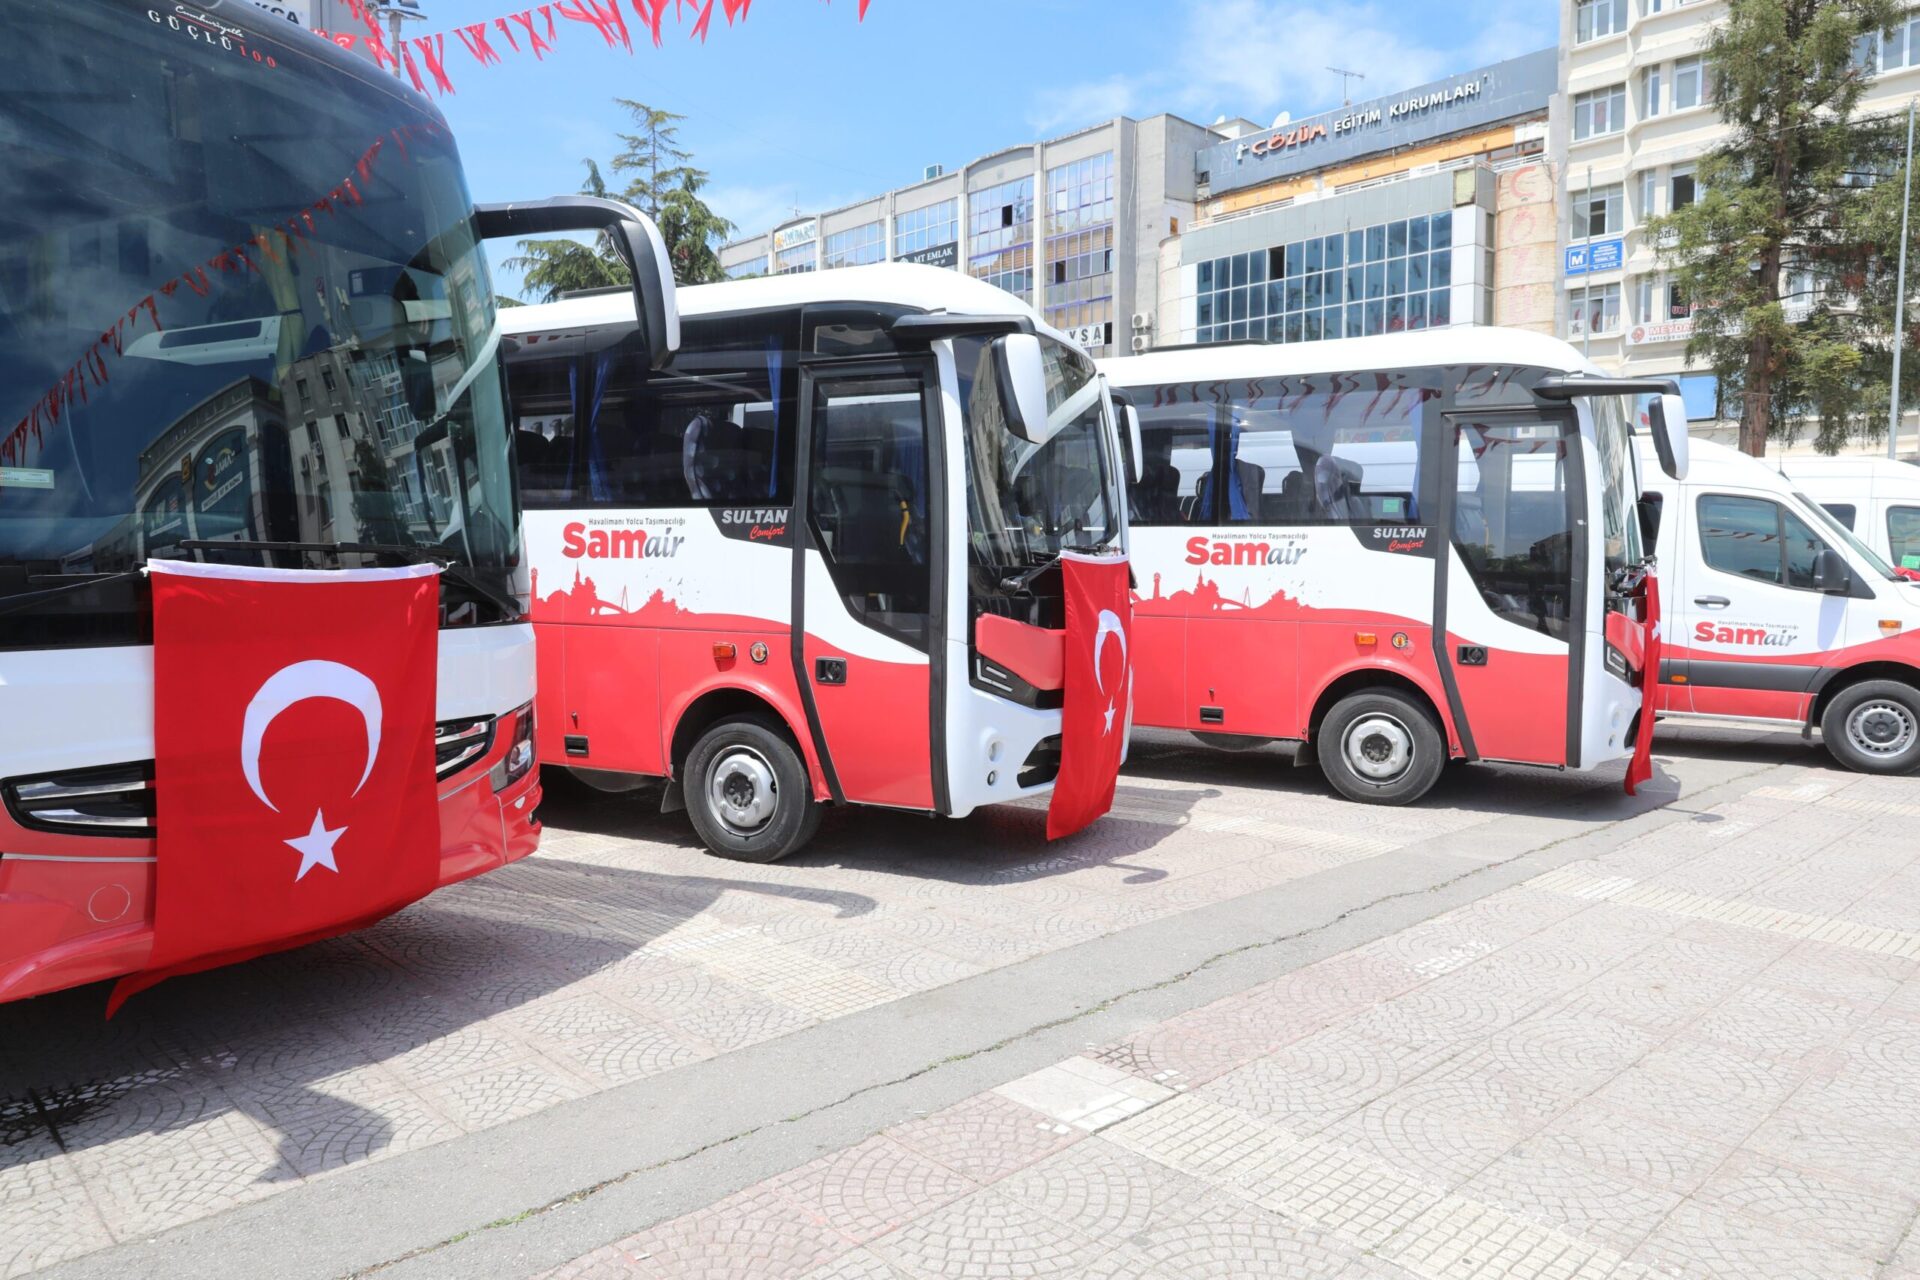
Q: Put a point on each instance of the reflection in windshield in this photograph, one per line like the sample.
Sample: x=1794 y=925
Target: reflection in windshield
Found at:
x=1846 y=535
x=1028 y=502
x=240 y=301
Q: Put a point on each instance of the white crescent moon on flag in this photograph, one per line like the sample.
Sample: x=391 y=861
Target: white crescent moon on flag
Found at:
x=1109 y=626
x=296 y=683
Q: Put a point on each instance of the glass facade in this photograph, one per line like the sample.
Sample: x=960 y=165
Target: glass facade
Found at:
x=857 y=246
x=752 y=267
x=919 y=229
x=1000 y=236
x=1079 y=274
x=1387 y=278
x=794 y=259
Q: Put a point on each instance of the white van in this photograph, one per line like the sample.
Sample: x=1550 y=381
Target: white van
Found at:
x=1877 y=498
x=1775 y=611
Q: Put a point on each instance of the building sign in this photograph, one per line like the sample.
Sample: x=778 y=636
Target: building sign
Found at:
x=1518 y=87
x=298 y=12
x=1087 y=336
x=1661 y=331
x=1599 y=255
x=798 y=234
x=934 y=255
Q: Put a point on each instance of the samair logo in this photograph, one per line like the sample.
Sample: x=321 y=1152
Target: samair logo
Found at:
x=577 y=542
x=1205 y=550
x=1750 y=637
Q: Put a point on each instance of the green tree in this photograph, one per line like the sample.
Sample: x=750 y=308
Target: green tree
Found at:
x=552 y=267
x=666 y=188
x=1786 y=223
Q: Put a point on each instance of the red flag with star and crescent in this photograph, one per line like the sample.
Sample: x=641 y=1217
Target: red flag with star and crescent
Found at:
x=294 y=791
x=1098 y=703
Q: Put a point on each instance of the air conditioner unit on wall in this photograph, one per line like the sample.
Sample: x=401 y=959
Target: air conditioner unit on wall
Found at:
x=1142 y=321
x=1141 y=342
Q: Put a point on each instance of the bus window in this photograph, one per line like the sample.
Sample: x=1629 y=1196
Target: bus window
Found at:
x=1513 y=523
x=868 y=497
x=1326 y=450
x=1176 y=458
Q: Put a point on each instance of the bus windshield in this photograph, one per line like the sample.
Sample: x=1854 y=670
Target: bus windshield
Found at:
x=1029 y=502
x=240 y=301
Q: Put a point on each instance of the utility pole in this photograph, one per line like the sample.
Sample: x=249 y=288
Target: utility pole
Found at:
x=397 y=13
x=1586 y=283
x=1346 y=79
x=1900 y=297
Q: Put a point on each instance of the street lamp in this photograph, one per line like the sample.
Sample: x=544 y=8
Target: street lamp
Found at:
x=397 y=13
x=1900 y=296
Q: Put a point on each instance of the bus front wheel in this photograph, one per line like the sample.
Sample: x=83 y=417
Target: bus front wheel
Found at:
x=1380 y=747
x=746 y=791
x=1874 y=727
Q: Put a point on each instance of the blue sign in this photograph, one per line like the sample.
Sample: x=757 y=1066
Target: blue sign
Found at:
x=1600 y=255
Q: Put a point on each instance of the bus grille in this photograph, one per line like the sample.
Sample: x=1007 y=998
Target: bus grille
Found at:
x=110 y=800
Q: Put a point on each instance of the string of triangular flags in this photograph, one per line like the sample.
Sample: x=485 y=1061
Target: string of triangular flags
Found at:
x=530 y=31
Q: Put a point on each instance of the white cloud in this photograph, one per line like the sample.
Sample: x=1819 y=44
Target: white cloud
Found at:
x=1078 y=105
x=1258 y=57
x=758 y=209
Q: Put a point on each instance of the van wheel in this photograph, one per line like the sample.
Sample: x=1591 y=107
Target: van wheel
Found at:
x=1380 y=747
x=747 y=793
x=1874 y=727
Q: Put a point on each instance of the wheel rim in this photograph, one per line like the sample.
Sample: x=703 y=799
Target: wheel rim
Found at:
x=1882 y=728
x=741 y=790
x=1378 y=747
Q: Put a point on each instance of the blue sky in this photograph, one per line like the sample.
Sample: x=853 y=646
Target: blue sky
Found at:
x=801 y=104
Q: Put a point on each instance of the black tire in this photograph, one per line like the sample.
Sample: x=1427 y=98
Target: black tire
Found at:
x=1874 y=727
x=1390 y=731
x=751 y=759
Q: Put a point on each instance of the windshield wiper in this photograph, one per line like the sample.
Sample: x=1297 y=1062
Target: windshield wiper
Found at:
x=411 y=554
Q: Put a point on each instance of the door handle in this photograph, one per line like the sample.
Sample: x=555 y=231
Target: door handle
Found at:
x=830 y=670
x=1712 y=602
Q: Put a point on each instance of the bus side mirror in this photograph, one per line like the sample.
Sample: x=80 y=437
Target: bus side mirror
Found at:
x=1667 y=418
x=1648 y=509
x=1022 y=382
x=1135 y=465
x=1830 y=573
x=635 y=238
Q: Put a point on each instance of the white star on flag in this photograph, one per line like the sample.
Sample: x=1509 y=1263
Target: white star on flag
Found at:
x=1109 y=728
x=316 y=847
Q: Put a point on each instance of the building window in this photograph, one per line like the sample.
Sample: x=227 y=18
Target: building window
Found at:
x=857 y=246
x=1596 y=18
x=1649 y=185
x=1689 y=83
x=1599 y=112
x=1386 y=278
x=1678 y=307
x=1681 y=190
x=326 y=378
x=1650 y=92
x=1078 y=299
x=1594 y=310
x=918 y=229
x=1898 y=46
x=1657 y=302
x=751 y=267
x=1000 y=235
x=1597 y=213
x=794 y=259
x=306 y=393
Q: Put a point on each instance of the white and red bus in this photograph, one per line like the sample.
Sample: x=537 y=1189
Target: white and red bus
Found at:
x=1392 y=551
x=816 y=558
x=1778 y=613
x=245 y=318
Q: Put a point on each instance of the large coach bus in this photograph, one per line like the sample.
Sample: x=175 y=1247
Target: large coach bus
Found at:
x=244 y=318
x=817 y=557
x=1391 y=551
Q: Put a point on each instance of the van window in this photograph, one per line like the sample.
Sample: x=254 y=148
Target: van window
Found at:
x=1758 y=539
x=1903 y=536
x=1844 y=512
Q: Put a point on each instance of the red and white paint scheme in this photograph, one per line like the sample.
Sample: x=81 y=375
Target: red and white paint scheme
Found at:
x=1778 y=612
x=816 y=558
x=1877 y=499
x=1393 y=551
x=323 y=391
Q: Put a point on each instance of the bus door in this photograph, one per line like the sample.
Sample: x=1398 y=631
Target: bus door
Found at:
x=1509 y=630
x=867 y=620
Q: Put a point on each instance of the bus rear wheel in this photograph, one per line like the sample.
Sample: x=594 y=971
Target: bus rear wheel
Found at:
x=1874 y=727
x=1380 y=747
x=747 y=793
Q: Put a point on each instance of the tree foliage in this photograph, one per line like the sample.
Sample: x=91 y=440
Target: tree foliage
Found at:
x=1785 y=252
x=663 y=186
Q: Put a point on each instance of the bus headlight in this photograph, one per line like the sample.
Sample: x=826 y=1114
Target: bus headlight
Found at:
x=519 y=757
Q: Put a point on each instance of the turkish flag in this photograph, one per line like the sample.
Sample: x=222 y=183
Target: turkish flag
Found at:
x=1640 y=768
x=294 y=789
x=1099 y=690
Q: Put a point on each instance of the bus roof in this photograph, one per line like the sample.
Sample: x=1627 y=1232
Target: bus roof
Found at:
x=902 y=284
x=1461 y=345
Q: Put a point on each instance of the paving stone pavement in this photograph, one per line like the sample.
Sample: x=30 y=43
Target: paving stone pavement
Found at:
x=1694 y=1055
x=1694 y=1052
